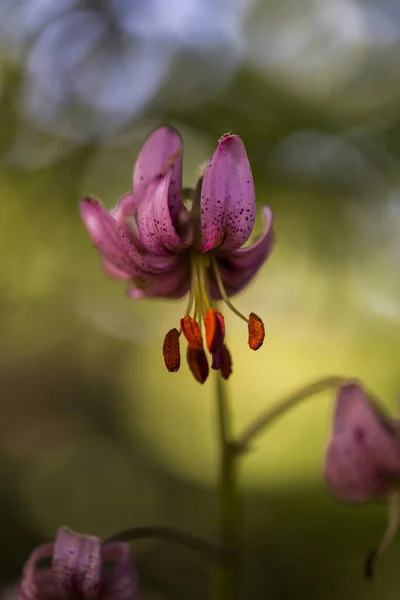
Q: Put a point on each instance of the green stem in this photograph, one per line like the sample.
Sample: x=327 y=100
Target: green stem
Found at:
x=272 y=413
x=227 y=571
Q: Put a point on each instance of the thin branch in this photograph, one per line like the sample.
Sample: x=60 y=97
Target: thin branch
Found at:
x=209 y=551
x=271 y=414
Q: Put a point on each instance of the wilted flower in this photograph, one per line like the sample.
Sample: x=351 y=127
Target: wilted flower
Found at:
x=167 y=241
x=79 y=566
x=363 y=458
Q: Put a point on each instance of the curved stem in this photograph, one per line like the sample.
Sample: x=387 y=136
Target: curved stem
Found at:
x=207 y=550
x=226 y=573
x=269 y=416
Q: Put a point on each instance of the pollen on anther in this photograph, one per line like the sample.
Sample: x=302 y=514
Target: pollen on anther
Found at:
x=198 y=364
x=215 y=330
x=256 y=331
x=171 y=352
x=226 y=366
x=191 y=331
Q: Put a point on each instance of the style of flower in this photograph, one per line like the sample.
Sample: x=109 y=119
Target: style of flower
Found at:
x=81 y=566
x=362 y=461
x=167 y=241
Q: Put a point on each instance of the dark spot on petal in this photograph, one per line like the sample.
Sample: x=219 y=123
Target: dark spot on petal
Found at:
x=359 y=435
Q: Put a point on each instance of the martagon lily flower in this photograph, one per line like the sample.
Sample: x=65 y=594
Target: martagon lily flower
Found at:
x=168 y=241
x=362 y=462
x=79 y=566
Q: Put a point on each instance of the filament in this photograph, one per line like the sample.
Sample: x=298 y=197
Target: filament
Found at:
x=223 y=293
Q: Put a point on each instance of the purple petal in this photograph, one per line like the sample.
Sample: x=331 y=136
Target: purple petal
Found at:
x=227 y=197
x=238 y=267
x=161 y=152
x=114 y=244
x=114 y=272
x=77 y=565
x=124 y=215
x=172 y=285
x=124 y=209
x=120 y=581
x=37 y=584
x=156 y=230
x=363 y=459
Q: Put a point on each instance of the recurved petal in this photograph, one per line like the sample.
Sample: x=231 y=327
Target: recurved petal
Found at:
x=156 y=229
x=37 y=584
x=123 y=209
x=227 y=198
x=238 y=267
x=161 y=152
x=363 y=459
x=114 y=272
x=77 y=565
x=114 y=244
x=172 y=285
x=120 y=581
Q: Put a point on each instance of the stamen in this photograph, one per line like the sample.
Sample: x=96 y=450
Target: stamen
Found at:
x=216 y=363
x=198 y=364
x=256 y=331
x=191 y=331
x=215 y=330
x=223 y=293
x=171 y=352
x=226 y=366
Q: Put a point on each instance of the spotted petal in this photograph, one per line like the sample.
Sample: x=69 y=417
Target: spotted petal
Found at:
x=161 y=152
x=363 y=459
x=38 y=584
x=77 y=565
x=120 y=581
x=238 y=267
x=155 y=226
x=114 y=244
x=227 y=199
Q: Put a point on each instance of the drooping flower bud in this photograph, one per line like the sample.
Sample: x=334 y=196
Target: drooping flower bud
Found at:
x=362 y=461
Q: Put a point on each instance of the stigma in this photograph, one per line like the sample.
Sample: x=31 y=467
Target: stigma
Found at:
x=201 y=316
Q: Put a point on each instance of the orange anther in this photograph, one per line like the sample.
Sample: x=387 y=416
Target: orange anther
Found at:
x=198 y=364
x=226 y=366
x=171 y=352
x=191 y=331
x=215 y=329
x=256 y=332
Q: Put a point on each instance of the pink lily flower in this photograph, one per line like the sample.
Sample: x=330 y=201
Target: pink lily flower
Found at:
x=167 y=241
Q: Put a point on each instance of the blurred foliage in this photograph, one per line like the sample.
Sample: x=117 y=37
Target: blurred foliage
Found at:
x=94 y=433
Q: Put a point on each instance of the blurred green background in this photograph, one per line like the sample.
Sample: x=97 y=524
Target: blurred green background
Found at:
x=94 y=433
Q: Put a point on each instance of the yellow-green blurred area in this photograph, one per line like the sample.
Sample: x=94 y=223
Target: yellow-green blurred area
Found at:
x=94 y=433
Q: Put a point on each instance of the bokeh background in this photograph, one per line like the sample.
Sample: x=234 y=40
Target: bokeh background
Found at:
x=94 y=433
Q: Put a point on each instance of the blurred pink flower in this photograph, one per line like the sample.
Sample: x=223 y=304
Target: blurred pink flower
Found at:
x=362 y=461
x=81 y=567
